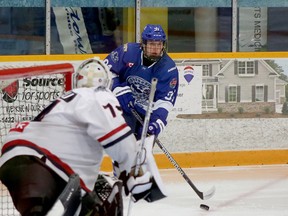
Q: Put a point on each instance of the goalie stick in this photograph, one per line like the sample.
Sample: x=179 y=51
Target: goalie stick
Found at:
x=146 y=123
x=69 y=200
x=203 y=195
x=144 y=132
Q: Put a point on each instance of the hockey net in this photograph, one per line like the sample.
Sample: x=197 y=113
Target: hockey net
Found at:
x=25 y=91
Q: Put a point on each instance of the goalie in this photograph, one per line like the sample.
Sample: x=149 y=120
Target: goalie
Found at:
x=50 y=165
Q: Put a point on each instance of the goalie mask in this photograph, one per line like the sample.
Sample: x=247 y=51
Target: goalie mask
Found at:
x=92 y=73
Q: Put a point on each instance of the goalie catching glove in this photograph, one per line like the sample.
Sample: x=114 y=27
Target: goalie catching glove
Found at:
x=105 y=199
x=147 y=184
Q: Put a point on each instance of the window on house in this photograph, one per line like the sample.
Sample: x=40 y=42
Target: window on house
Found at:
x=205 y=70
x=232 y=94
x=259 y=93
x=246 y=68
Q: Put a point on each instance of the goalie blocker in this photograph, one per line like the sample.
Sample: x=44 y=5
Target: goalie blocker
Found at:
x=154 y=186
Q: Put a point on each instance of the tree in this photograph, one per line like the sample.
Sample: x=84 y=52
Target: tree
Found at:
x=278 y=69
x=282 y=76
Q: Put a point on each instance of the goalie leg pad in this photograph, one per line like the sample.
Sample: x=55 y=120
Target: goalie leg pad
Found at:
x=158 y=190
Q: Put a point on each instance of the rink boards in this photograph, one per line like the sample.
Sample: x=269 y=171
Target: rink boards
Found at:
x=215 y=159
x=190 y=157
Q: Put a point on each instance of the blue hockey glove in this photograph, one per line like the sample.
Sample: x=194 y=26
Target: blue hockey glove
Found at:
x=125 y=97
x=154 y=128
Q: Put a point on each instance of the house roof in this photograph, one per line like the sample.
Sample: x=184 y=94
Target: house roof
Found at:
x=196 y=61
x=272 y=72
x=221 y=72
x=281 y=82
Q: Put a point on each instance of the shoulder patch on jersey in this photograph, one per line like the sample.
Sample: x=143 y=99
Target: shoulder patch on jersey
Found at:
x=125 y=47
x=171 y=69
x=68 y=96
x=19 y=127
x=173 y=83
x=114 y=56
x=130 y=64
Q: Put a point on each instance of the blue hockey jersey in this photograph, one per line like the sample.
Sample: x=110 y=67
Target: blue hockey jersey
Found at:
x=127 y=63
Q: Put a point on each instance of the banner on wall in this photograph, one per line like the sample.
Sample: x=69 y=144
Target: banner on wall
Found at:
x=189 y=99
x=72 y=30
x=23 y=97
x=252 y=29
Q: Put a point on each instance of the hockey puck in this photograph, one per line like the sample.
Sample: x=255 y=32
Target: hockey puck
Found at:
x=205 y=207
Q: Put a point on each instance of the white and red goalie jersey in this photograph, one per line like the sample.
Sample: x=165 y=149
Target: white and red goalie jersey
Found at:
x=72 y=132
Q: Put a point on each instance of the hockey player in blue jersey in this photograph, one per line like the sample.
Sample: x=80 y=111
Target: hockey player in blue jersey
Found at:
x=134 y=65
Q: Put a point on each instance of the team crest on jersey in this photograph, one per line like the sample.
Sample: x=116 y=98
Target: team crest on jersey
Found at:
x=10 y=92
x=141 y=89
x=173 y=83
x=114 y=56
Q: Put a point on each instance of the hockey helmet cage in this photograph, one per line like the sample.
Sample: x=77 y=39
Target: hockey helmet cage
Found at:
x=153 y=32
x=92 y=73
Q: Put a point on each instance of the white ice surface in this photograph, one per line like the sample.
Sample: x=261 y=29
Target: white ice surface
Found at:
x=240 y=191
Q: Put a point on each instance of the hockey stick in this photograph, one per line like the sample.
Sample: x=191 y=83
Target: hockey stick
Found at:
x=203 y=195
x=69 y=200
x=144 y=132
x=146 y=123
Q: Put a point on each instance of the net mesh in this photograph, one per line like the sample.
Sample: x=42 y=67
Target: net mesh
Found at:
x=24 y=93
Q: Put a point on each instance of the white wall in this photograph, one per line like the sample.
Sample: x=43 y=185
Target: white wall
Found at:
x=198 y=135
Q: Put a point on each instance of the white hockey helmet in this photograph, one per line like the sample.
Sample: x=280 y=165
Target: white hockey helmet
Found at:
x=92 y=73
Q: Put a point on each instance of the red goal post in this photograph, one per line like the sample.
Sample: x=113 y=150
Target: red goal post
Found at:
x=24 y=92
